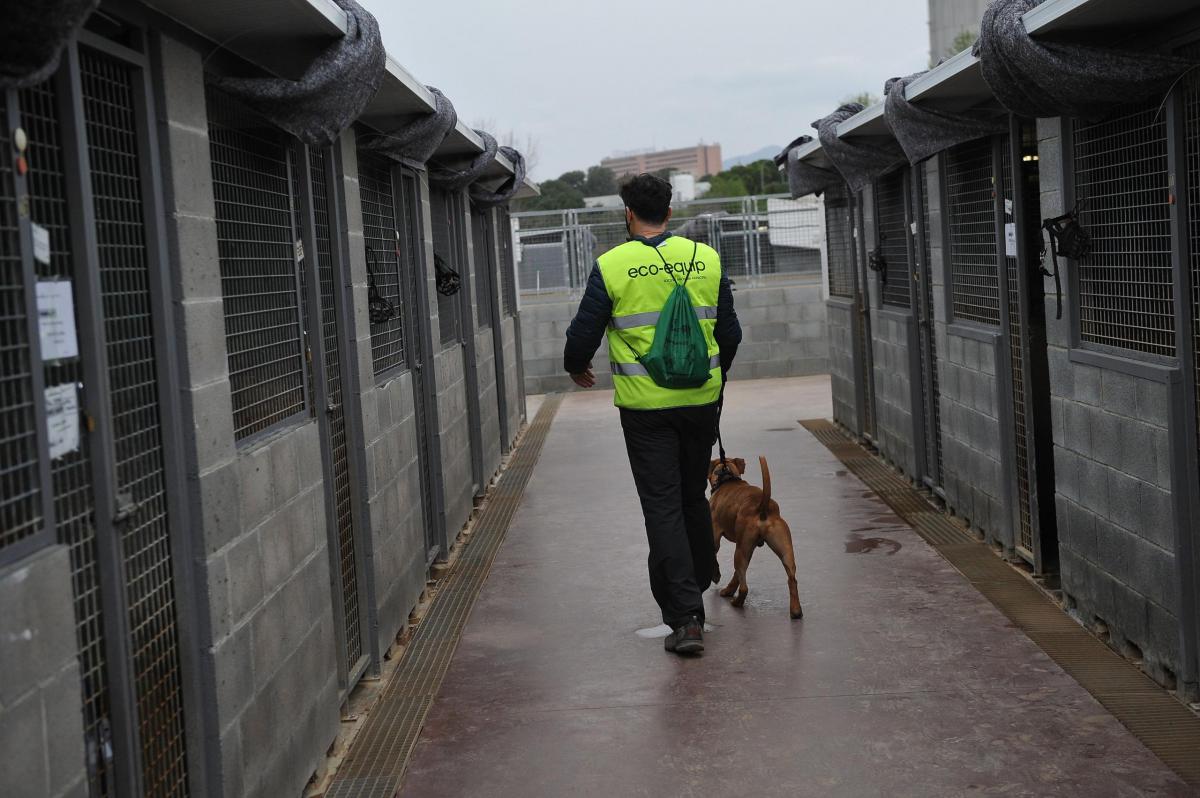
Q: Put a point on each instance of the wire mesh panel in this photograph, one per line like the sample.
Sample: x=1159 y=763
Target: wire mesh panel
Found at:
x=114 y=152
x=728 y=226
x=786 y=234
x=484 y=262
x=72 y=482
x=1126 y=294
x=382 y=241
x=863 y=311
x=257 y=250
x=1016 y=349
x=930 y=389
x=892 y=230
x=445 y=248
x=838 y=242
x=508 y=270
x=20 y=488
x=338 y=449
x=971 y=201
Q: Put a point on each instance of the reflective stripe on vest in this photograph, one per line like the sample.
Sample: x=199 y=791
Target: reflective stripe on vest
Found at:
x=638 y=279
x=650 y=318
x=638 y=370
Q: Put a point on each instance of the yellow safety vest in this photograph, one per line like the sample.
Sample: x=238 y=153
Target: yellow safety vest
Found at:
x=639 y=280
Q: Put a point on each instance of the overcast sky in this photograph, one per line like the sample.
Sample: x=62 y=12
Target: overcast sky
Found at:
x=586 y=80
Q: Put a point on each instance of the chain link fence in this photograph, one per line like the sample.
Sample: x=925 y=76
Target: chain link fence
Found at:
x=759 y=239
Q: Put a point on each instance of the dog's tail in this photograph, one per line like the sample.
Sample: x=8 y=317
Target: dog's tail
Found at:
x=765 y=504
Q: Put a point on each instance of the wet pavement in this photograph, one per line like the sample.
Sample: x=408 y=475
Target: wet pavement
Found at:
x=900 y=680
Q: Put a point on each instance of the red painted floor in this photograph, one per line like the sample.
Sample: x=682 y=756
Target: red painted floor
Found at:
x=901 y=680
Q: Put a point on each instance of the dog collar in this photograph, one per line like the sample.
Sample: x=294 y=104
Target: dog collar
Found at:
x=726 y=478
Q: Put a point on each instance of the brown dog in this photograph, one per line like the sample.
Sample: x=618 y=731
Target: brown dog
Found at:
x=747 y=517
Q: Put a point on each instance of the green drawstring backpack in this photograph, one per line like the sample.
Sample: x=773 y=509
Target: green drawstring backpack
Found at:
x=678 y=356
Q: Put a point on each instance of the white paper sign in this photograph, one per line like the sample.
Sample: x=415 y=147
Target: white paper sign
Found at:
x=41 y=243
x=299 y=250
x=62 y=419
x=1008 y=207
x=56 y=320
x=1010 y=240
x=913 y=228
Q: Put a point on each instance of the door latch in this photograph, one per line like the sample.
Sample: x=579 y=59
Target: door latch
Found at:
x=126 y=508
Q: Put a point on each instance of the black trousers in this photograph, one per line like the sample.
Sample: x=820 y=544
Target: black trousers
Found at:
x=669 y=452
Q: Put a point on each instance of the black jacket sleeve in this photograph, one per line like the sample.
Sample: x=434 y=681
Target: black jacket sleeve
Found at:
x=728 y=331
x=587 y=329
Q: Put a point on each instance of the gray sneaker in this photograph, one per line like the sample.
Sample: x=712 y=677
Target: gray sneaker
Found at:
x=687 y=638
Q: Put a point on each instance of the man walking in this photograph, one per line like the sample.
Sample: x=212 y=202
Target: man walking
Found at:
x=669 y=432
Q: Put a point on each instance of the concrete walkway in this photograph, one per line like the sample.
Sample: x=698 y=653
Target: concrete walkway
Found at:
x=901 y=680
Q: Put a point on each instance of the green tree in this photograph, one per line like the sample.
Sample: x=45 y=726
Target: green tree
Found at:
x=576 y=179
x=600 y=182
x=724 y=184
x=963 y=41
x=864 y=98
x=556 y=195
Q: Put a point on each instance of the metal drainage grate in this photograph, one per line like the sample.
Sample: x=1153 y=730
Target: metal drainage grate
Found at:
x=1151 y=714
x=376 y=763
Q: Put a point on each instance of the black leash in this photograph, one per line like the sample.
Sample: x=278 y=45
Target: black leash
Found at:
x=720 y=409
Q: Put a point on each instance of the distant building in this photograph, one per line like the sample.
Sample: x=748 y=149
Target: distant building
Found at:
x=949 y=18
x=698 y=161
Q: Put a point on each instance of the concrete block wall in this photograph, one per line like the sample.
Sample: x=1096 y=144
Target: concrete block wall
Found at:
x=967 y=357
x=895 y=432
x=842 y=369
x=783 y=335
x=1114 y=439
x=392 y=464
x=268 y=661
x=41 y=710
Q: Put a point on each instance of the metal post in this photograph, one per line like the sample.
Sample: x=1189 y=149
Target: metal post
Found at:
x=1185 y=404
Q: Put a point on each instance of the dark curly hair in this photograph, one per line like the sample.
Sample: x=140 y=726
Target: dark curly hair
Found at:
x=649 y=197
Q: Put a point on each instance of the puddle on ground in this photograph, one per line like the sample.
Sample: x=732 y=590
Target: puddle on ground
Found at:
x=782 y=429
x=662 y=630
x=857 y=544
x=839 y=473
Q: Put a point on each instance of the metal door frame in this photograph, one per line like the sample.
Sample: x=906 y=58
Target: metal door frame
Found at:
x=493 y=259
x=459 y=207
x=416 y=288
x=96 y=405
x=922 y=279
x=348 y=673
x=1039 y=438
x=356 y=441
x=1005 y=401
x=867 y=367
x=915 y=372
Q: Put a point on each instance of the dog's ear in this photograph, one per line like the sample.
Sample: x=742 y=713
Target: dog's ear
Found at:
x=740 y=464
x=712 y=467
